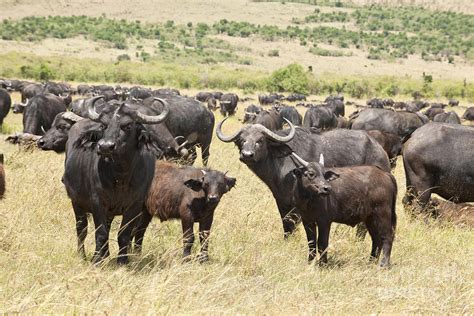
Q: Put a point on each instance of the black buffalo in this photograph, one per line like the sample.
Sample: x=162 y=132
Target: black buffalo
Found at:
x=401 y=123
x=228 y=103
x=319 y=117
x=267 y=154
x=391 y=143
x=251 y=113
x=449 y=117
x=438 y=158
x=40 y=112
x=108 y=172
x=5 y=104
x=271 y=119
x=295 y=97
x=56 y=137
x=291 y=114
x=469 y=114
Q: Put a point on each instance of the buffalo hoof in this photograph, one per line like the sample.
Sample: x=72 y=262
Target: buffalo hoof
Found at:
x=203 y=257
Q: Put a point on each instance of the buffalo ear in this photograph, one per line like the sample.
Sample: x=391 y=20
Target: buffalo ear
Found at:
x=330 y=175
x=230 y=183
x=194 y=184
x=298 y=172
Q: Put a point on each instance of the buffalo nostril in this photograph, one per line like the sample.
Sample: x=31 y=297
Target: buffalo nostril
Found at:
x=40 y=143
x=247 y=154
x=213 y=197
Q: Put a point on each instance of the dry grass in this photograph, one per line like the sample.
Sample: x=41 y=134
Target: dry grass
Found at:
x=252 y=269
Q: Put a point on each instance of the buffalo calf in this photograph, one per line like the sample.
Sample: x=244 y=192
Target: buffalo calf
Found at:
x=186 y=193
x=348 y=195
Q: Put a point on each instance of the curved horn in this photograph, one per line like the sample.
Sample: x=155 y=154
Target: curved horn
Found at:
x=42 y=129
x=155 y=119
x=274 y=136
x=222 y=137
x=321 y=160
x=183 y=144
x=72 y=116
x=303 y=162
x=91 y=112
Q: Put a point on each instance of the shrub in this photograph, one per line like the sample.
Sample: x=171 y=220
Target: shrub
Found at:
x=274 y=53
x=292 y=78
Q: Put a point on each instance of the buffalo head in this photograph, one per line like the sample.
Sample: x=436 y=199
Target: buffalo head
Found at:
x=214 y=184
x=312 y=176
x=56 y=137
x=254 y=140
x=123 y=129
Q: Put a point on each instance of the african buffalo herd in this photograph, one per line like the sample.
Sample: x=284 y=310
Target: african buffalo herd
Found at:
x=129 y=152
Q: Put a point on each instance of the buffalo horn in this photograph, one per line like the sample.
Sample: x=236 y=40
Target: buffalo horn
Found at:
x=91 y=112
x=321 y=160
x=303 y=162
x=155 y=119
x=72 y=116
x=222 y=137
x=274 y=136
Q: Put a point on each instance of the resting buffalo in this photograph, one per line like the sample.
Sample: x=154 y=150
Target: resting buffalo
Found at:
x=438 y=158
x=108 y=172
x=449 y=117
x=391 y=143
x=469 y=114
x=349 y=195
x=251 y=113
x=267 y=154
x=228 y=104
x=402 y=123
x=319 y=117
x=5 y=104
x=188 y=121
x=40 y=112
x=186 y=193
x=2 y=178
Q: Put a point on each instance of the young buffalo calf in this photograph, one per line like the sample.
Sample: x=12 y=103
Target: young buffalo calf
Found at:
x=348 y=195
x=186 y=193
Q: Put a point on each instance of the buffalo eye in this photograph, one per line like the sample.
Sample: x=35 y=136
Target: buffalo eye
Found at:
x=126 y=127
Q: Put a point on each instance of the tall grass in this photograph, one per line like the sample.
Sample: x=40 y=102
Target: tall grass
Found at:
x=252 y=269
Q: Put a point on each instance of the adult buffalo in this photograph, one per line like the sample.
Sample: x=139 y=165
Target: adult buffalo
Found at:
x=449 y=117
x=391 y=143
x=319 y=117
x=267 y=154
x=269 y=99
x=203 y=96
x=469 y=114
x=228 y=104
x=251 y=113
x=438 y=158
x=40 y=112
x=5 y=104
x=271 y=119
x=433 y=111
x=139 y=93
x=336 y=106
x=401 y=123
x=188 y=121
x=56 y=137
x=453 y=102
x=84 y=89
x=108 y=172
x=295 y=97
x=30 y=91
x=291 y=114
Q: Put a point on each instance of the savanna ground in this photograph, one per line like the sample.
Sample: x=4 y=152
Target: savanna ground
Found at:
x=252 y=269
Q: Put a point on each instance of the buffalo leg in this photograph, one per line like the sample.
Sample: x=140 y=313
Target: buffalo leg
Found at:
x=323 y=241
x=81 y=229
x=289 y=217
x=129 y=220
x=143 y=223
x=188 y=236
x=310 y=229
x=101 y=238
x=204 y=232
x=376 y=239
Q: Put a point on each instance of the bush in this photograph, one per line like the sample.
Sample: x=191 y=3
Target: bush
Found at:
x=292 y=78
x=274 y=53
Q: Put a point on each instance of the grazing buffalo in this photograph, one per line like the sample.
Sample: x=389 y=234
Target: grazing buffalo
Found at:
x=251 y=113
x=5 y=104
x=187 y=193
x=291 y=114
x=40 y=112
x=438 y=158
x=319 y=117
x=295 y=97
x=349 y=195
x=108 y=172
x=271 y=119
x=2 y=178
x=391 y=143
x=188 y=121
x=453 y=102
x=56 y=137
x=267 y=154
x=449 y=117
x=469 y=114
x=228 y=103
x=402 y=123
